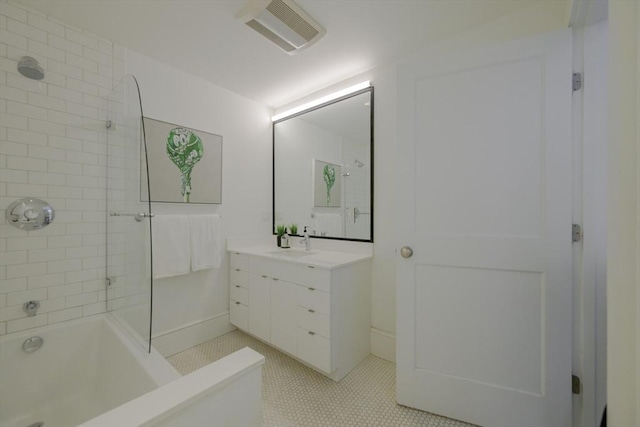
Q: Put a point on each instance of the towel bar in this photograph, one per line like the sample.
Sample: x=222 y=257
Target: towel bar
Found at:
x=139 y=216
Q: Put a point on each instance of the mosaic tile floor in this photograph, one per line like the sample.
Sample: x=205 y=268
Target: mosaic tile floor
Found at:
x=297 y=396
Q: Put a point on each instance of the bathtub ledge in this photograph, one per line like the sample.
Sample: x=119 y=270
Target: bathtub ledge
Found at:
x=159 y=406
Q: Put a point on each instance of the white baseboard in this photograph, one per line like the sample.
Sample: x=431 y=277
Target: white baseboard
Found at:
x=179 y=339
x=383 y=345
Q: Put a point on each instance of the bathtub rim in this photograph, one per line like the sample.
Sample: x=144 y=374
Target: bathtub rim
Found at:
x=161 y=403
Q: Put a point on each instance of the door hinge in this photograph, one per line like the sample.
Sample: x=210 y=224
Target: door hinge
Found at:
x=576 y=384
x=577 y=81
x=576 y=233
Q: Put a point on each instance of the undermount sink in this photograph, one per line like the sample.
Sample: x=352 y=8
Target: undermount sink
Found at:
x=292 y=253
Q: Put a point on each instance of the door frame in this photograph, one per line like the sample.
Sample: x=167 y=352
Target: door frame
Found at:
x=589 y=210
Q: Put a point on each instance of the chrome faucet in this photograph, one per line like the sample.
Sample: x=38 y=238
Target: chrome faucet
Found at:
x=306 y=240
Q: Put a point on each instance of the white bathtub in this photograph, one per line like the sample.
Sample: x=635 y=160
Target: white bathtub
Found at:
x=90 y=371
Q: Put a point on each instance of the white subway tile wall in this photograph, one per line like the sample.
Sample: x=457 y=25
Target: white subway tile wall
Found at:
x=51 y=147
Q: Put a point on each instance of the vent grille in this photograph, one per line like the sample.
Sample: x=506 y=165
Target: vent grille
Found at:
x=291 y=19
x=285 y=24
x=271 y=35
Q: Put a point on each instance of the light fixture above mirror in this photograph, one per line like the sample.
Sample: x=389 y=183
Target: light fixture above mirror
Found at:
x=351 y=90
x=323 y=166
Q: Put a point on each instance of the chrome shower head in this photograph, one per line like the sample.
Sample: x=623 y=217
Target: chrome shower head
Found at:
x=29 y=67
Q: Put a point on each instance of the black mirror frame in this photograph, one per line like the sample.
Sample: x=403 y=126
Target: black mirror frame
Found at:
x=371 y=178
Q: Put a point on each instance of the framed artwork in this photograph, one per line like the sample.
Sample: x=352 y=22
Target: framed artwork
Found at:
x=327 y=184
x=185 y=165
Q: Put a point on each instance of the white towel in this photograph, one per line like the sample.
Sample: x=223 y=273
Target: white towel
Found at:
x=171 y=251
x=330 y=224
x=206 y=241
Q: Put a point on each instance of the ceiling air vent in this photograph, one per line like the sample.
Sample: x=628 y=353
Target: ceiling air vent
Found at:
x=285 y=24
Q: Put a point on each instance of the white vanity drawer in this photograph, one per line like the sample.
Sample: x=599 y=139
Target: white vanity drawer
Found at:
x=262 y=266
x=239 y=315
x=314 y=299
x=295 y=273
x=312 y=320
x=238 y=293
x=314 y=349
x=239 y=277
x=239 y=261
x=306 y=275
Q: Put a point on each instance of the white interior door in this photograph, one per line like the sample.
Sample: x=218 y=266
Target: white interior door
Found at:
x=484 y=190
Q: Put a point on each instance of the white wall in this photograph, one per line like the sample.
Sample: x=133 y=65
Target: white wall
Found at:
x=623 y=255
x=53 y=147
x=543 y=18
x=171 y=95
x=199 y=301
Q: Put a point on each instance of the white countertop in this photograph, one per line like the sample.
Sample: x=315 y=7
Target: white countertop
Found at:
x=318 y=258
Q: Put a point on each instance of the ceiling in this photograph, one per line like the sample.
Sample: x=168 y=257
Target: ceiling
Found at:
x=204 y=38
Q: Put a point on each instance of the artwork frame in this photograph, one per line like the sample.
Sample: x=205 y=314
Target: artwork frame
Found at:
x=185 y=164
x=327 y=184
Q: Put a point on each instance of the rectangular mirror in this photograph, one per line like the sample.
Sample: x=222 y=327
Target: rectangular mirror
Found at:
x=323 y=169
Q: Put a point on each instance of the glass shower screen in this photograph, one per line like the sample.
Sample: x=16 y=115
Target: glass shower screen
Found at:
x=129 y=262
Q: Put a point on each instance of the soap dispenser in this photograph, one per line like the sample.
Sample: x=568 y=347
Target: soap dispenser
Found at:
x=284 y=243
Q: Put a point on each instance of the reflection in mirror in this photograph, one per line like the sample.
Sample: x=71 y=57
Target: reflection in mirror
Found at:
x=323 y=169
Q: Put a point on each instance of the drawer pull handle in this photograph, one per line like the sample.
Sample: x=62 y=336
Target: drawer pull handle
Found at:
x=275 y=279
x=237 y=286
x=311 y=311
x=237 y=253
x=311 y=333
x=312 y=289
x=237 y=269
x=310 y=266
x=264 y=277
x=237 y=302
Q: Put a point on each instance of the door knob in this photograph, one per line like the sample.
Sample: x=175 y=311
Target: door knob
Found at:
x=406 y=252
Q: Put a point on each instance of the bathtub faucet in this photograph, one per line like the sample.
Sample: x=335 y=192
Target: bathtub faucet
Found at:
x=31 y=307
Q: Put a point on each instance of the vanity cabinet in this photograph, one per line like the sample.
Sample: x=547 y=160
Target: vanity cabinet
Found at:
x=319 y=315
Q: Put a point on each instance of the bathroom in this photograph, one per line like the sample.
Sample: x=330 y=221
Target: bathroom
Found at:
x=54 y=147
